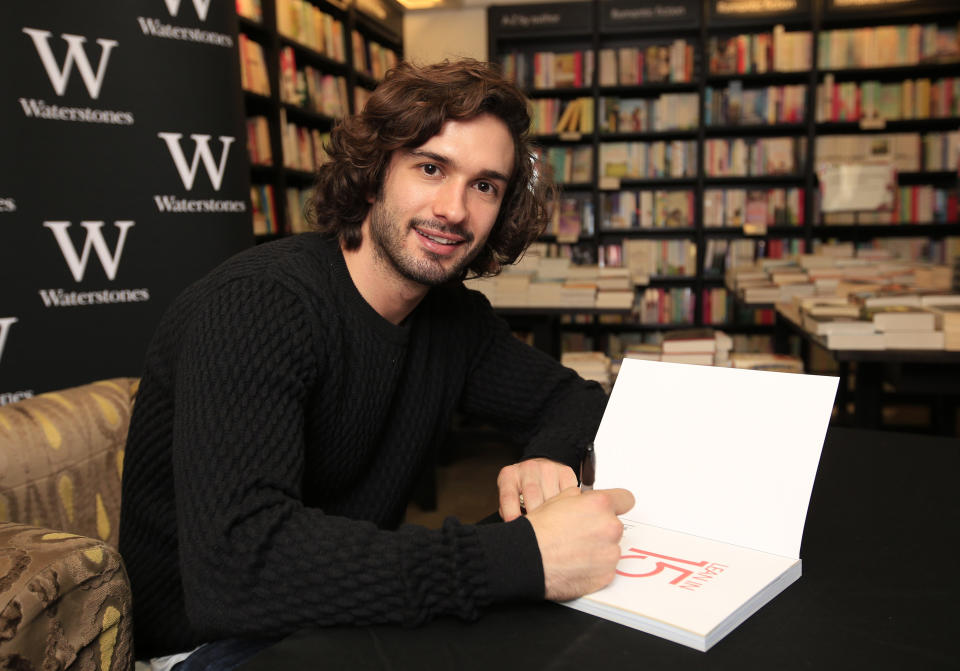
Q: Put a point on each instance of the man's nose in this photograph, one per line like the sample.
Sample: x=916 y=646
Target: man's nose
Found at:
x=450 y=203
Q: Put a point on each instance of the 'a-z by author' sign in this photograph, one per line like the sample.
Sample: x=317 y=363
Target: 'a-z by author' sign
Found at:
x=629 y=15
x=543 y=19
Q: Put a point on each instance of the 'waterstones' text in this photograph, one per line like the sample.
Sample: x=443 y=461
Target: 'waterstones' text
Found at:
x=14 y=396
x=174 y=204
x=58 y=298
x=156 y=28
x=41 y=110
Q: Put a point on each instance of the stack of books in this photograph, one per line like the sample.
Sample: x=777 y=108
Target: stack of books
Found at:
x=705 y=347
x=590 y=366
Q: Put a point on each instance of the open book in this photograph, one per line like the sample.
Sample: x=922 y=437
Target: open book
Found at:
x=721 y=462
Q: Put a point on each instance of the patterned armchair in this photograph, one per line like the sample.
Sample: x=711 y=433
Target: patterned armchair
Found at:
x=64 y=595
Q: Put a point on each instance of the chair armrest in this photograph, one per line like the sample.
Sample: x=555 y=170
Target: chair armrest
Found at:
x=64 y=602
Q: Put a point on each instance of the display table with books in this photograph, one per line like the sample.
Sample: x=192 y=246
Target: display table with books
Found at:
x=879 y=590
x=940 y=366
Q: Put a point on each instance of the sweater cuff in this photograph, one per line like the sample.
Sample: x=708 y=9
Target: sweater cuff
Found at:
x=514 y=566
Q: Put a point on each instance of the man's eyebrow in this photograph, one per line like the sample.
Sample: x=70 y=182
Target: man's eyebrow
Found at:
x=446 y=160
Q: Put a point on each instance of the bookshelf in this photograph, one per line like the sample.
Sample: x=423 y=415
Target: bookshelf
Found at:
x=304 y=64
x=708 y=124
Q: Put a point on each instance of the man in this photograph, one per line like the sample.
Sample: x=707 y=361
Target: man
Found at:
x=290 y=398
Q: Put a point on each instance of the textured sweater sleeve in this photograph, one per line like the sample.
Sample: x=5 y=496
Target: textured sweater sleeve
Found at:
x=550 y=408
x=254 y=559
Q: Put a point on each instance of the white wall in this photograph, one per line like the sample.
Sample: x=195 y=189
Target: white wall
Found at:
x=430 y=35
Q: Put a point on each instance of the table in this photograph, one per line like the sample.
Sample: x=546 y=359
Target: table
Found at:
x=879 y=591
x=927 y=377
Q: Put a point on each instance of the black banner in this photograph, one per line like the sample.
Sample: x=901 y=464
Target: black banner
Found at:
x=533 y=20
x=652 y=15
x=123 y=177
x=733 y=11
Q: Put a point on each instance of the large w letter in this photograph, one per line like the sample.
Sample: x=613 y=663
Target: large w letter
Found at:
x=201 y=150
x=202 y=6
x=75 y=54
x=78 y=264
x=5 y=324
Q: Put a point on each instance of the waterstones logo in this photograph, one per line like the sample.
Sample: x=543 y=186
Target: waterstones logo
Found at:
x=6 y=323
x=202 y=7
x=14 y=396
x=157 y=28
x=59 y=76
x=215 y=169
x=109 y=260
x=94 y=240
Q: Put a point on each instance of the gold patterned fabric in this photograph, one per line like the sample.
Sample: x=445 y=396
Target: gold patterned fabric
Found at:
x=64 y=594
x=61 y=458
x=64 y=602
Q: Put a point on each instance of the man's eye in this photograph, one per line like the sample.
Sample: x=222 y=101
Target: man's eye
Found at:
x=486 y=187
x=430 y=169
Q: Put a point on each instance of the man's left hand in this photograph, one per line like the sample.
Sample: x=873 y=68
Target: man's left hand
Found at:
x=533 y=481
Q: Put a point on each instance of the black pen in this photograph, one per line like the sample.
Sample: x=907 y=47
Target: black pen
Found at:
x=588 y=469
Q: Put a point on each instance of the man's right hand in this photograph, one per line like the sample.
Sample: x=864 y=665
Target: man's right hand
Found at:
x=579 y=538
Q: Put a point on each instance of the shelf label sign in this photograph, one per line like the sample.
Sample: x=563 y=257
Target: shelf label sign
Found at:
x=850 y=6
x=734 y=10
x=561 y=18
x=629 y=15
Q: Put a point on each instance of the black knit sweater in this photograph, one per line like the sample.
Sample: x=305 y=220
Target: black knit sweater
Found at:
x=279 y=428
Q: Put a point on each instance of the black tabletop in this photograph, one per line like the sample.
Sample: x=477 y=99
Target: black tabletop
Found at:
x=879 y=590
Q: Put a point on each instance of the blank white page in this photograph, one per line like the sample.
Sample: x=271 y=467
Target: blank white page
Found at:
x=723 y=453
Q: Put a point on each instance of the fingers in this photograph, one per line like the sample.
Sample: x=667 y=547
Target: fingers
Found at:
x=509 y=504
x=621 y=500
x=537 y=480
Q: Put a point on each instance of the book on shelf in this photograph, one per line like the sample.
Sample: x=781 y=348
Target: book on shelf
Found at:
x=856 y=341
x=900 y=318
x=947 y=316
x=766 y=361
x=305 y=23
x=297 y=200
x=264 y=209
x=253 y=67
x=617 y=299
x=753 y=157
x=735 y=105
x=776 y=51
x=250 y=9
x=258 y=141
x=939 y=300
x=708 y=544
x=825 y=325
x=915 y=340
x=589 y=365
x=669 y=111
x=887 y=46
x=645 y=160
x=653 y=63
x=685 y=341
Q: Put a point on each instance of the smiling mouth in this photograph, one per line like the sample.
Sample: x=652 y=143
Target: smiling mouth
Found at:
x=439 y=237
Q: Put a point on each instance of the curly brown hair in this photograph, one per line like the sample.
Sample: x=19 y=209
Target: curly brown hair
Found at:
x=408 y=108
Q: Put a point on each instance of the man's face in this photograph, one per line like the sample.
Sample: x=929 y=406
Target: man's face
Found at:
x=440 y=201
